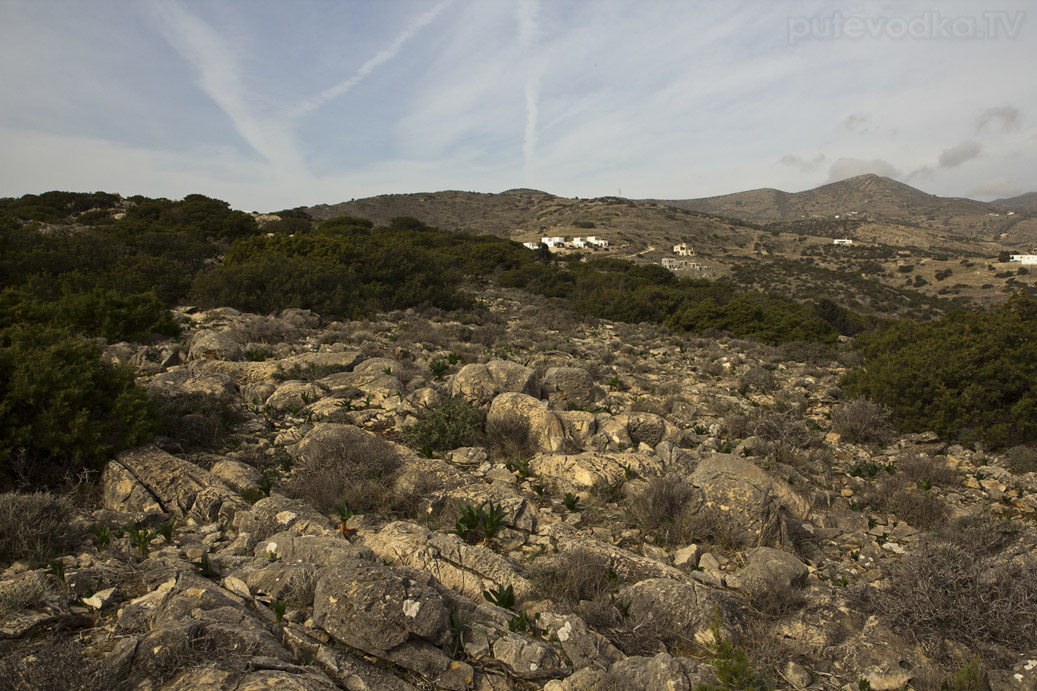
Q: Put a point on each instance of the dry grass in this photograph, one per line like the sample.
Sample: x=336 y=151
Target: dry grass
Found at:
x=945 y=592
x=863 y=422
x=35 y=527
x=573 y=577
x=665 y=509
x=54 y=665
x=362 y=474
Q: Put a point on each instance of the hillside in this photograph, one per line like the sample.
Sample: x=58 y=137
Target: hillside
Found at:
x=897 y=228
x=1026 y=203
x=870 y=197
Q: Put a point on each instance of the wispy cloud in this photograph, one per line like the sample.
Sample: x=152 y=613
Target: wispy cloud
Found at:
x=220 y=78
x=380 y=58
x=1006 y=118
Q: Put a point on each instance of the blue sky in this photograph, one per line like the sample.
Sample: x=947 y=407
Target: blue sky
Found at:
x=273 y=104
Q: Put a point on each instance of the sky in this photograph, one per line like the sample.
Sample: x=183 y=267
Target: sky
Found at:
x=270 y=104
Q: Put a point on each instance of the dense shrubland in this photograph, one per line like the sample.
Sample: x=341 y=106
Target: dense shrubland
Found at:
x=968 y=375
x=77 y=266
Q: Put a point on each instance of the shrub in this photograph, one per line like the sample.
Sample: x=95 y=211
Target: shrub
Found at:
x=35 y=527
x=361 y=473
x=573 y=577
x=198 y=420
x=968 y=376
x=945 y=592
x=1021 y=459
x=664 y=509
x=55 y=665
x=451 y=423
x=862 y=421
x=63 y=410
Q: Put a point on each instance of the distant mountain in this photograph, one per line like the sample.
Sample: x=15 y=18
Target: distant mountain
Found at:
x=1024 y=202
x=874 y=196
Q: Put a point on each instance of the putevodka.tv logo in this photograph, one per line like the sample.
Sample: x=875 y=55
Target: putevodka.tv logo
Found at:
x=929 y=26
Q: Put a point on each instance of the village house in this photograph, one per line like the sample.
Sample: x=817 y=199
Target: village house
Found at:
x=682 y=250
x=842 y=241
x=553 y=241
x=1025 y=258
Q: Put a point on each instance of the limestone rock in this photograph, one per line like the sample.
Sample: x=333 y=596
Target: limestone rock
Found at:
x=148 y=479
x=528 y=420
x=569 y=387
x=480 y=383
x=210 y=344
x=374 y=609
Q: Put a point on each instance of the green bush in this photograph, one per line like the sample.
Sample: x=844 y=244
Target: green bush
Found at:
x=968 y=376
x=63 y=410
x=449 y=424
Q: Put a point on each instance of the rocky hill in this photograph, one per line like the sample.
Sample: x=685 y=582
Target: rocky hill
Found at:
x=865 y=196
x=519 y=499
x=1022 y=203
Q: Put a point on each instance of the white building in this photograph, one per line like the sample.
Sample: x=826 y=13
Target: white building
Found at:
x=595 y=241
x=1025 y=258
x=531 y=245
x=553 y=242
x=842 y=241
x=682 y=250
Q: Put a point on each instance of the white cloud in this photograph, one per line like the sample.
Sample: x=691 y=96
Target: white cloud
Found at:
x=959 y=153
x=380 y=58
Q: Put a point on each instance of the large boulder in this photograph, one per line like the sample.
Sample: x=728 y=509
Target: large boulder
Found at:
x=375 y=609
x=210 y=344
x=148 y=479
x=479 y=383
x=747 y=500
x=528 y=422
x=569 y=387
x=466 y=569
x=686 y=611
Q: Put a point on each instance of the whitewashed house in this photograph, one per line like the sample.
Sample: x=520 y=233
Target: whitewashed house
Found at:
x=553 y=241
x=682 y=250
x=531 y=245
x=1025 y=258
x=842 y=241
x=595 y=241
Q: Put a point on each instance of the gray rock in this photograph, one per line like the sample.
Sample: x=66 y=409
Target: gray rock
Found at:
x=684 y=610
x=528 y=421
x=566 y=387
x=480 y=383
x=374 y=609
x=148 y=479
x=210 y=344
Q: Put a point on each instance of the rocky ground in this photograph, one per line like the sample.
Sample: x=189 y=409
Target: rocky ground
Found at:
x=515 y=499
